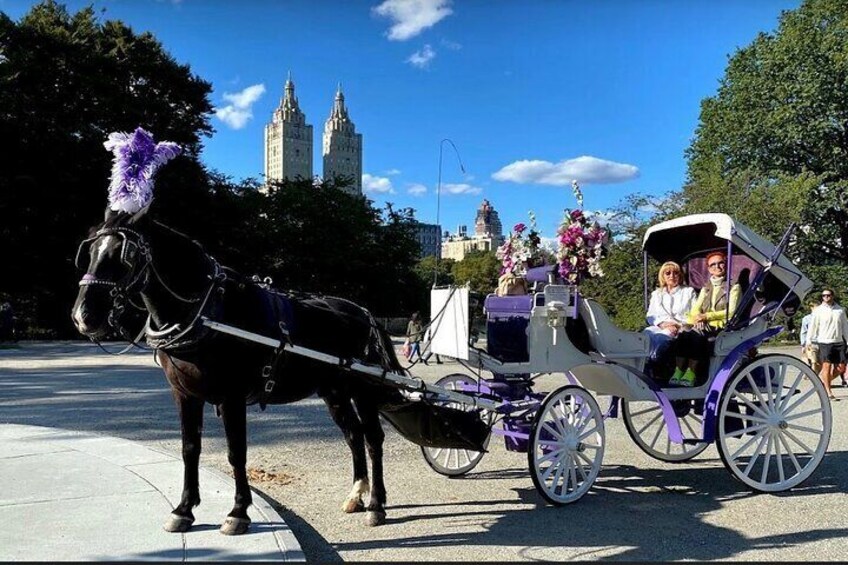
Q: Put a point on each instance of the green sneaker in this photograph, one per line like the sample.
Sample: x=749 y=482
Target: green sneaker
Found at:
x=675 y=378
x=688 y=378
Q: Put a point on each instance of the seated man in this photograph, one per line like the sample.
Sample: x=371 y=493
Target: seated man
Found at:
x=709 y=314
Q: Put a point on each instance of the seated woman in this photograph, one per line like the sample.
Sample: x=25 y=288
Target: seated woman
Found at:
x=710 y=312
x=669 y=306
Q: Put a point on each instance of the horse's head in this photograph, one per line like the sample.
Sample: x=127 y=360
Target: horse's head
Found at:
x=115 y=260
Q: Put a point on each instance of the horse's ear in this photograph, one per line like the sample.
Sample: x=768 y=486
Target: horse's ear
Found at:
x=109 y=214
x=139 y=215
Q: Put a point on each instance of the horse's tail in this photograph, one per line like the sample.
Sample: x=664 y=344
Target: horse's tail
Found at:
x=382 y=343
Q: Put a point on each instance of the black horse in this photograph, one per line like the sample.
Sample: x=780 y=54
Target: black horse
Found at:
x=134 y=260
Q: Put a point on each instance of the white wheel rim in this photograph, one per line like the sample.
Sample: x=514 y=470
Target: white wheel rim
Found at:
x=780 y=431
x=568 y=445
x=448 y=458
x=645 y=420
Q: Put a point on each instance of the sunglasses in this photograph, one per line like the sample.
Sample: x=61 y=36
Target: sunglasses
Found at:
x=826 y=295
x=716 y=264
x=670 y=273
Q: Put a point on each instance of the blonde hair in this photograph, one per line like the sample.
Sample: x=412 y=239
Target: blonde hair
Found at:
x=665 y=266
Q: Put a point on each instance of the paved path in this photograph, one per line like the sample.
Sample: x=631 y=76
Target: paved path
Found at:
x=76 y=496
x=639 y=509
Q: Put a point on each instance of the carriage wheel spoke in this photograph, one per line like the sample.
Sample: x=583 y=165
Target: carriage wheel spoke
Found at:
x=748 y=430
x=750 y=404
x=652 y=408
x=799 y=401
x=790 y=453
x=587 y=434
x=780 y=474
x=750 y=466
x=736 y=455
x=755 y=390
x=805 y=429
x=550 y=456
x=791 y=436
x=764 y=476
x=552 y=431
x=791 y=392
x=585 y=458
x=802 y=414
x=572 y=472
x=689 y=426
x=769 y=391
x=648 y=425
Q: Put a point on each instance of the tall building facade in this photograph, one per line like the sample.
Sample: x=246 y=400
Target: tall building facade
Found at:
x=288 y=141
x=342 y=146
x=429 y=238
x=488 y=235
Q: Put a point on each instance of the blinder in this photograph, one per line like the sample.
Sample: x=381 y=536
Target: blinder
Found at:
x=129 y=248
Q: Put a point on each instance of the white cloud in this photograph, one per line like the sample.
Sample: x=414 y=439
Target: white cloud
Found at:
x=374 y=184
x=422 y=57
x=417 y=189
x=585 y=169
x=452 y=45
x=393 y=172
x=239 y=111
x=411 y=17
x=461 y=188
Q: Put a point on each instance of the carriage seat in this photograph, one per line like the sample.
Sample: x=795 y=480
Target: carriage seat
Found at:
x=607 y=338
x=727 y=341
x=506 y=326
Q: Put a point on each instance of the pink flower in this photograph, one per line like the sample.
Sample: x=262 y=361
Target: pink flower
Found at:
x=519 y=227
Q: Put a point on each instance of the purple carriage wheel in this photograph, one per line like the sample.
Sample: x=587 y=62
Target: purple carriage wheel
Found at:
x=774 y=423
x=449 y=461
x=647 y=427
x=566 y=445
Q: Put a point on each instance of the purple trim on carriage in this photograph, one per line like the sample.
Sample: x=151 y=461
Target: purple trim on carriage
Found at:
x=724 y=373
x=539 y=274
x=508 y=306
x=88 y=278
x=672 y=424
x=510 y=434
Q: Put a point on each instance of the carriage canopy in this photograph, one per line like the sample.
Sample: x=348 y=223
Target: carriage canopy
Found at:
x=673 y=240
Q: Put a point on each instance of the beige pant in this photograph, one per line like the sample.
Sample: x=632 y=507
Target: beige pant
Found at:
x=809 y=355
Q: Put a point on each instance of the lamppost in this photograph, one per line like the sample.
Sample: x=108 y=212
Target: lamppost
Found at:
x=439 y=197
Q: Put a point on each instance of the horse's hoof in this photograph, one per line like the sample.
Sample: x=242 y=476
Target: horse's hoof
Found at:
x=351 y=505
x=235 y=526
x=177 y=523
x=375 y=518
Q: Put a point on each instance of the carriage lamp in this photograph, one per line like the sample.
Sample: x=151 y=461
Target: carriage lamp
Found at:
x=557 y=316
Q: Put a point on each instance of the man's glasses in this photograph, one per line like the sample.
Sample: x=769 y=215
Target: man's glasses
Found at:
x=716 y=264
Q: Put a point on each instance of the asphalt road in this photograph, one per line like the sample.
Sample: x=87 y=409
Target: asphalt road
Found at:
x=639 y=508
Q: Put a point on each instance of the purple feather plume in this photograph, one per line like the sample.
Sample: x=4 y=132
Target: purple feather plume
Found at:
x=136 y=159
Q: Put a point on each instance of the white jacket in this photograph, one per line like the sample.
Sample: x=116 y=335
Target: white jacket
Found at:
x=829 y=325
x=670 y=306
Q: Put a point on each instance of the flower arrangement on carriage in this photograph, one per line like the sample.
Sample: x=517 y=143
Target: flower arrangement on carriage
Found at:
x=581 y=244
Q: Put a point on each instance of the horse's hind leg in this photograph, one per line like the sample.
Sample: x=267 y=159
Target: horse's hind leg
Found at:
x=341 y=410
x=374 y=436
x=191 y=426
x=234 y=415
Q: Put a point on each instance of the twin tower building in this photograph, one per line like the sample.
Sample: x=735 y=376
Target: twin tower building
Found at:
x=288 y=143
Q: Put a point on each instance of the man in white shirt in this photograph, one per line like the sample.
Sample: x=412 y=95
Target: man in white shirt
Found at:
x=828 y=330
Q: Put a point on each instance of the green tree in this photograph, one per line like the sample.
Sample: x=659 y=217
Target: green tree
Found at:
x=772 y=144
x=479 y=268
x=66 y=81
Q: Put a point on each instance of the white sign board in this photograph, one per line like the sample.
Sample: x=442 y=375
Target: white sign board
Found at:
x=449 y=324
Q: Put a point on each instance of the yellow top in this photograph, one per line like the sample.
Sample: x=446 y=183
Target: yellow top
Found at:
x=715 y=318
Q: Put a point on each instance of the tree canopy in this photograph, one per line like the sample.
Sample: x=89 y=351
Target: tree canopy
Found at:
x=772 y=144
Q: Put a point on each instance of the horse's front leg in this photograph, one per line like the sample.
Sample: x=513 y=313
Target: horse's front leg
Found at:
x=374 y=436
x=234 y=415
x=341 y=410
x=191 y=427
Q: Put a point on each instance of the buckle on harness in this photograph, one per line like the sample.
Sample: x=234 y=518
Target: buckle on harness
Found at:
x=266 y=371
x=269 y=385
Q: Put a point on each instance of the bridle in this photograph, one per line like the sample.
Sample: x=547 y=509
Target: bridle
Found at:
x=137 y=257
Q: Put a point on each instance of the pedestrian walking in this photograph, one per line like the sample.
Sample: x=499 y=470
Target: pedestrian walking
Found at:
x=828 y=330
x=809 y=353
x=414 y=333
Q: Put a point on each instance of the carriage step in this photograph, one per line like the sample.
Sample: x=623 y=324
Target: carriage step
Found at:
x=691 y=441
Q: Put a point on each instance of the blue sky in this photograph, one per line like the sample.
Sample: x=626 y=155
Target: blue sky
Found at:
x=533 y=93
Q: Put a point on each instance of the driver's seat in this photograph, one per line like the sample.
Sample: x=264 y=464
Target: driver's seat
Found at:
x=608 y=339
